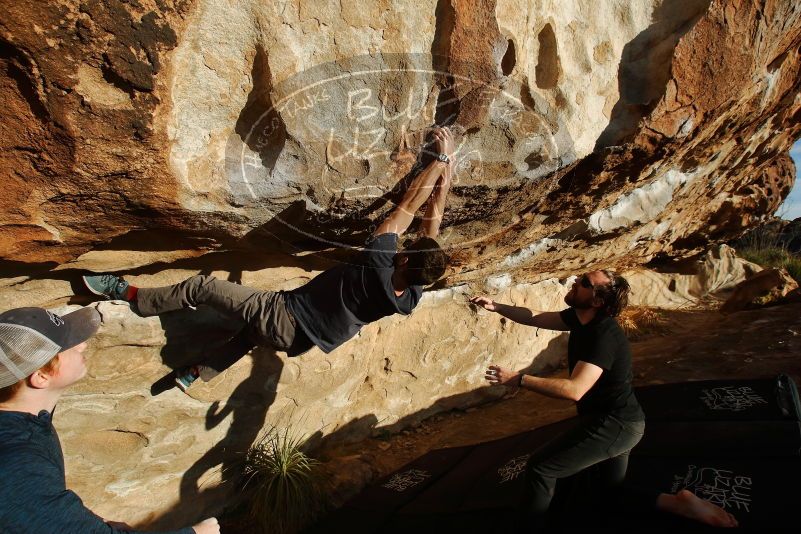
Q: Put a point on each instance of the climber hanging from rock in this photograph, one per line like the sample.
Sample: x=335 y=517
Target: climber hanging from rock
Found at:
x=331 y=308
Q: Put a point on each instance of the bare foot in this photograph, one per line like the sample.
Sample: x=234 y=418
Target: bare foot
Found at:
x=688 y=505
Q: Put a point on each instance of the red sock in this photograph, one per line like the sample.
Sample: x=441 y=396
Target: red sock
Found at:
x=130 y=295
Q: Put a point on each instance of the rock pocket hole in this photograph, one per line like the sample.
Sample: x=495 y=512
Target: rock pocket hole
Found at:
x=509 y=59
x=777 y=63
x=534 y=160
x=547 y=70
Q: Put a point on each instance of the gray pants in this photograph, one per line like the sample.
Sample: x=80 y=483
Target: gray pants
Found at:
x=602 y=442
x=267 y=321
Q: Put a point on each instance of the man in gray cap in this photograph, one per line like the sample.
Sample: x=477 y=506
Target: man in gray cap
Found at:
x=41 y=354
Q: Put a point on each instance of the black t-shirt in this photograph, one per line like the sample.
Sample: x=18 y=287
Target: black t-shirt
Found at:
x=333 y=306
x=603 y=343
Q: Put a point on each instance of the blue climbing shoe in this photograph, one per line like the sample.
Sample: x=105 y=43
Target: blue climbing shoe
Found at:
x=107 y=285
x=186 y=376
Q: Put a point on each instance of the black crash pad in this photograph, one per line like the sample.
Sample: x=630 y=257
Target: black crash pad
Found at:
x=735 y=442
x=771 y=399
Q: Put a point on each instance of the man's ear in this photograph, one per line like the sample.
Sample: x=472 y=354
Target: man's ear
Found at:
x=39 y=380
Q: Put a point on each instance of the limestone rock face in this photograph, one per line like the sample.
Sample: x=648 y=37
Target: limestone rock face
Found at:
x=713 y=276
x=261 y=141
x=615 y=130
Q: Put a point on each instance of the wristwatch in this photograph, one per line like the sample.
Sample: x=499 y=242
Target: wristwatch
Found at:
x=443 y=158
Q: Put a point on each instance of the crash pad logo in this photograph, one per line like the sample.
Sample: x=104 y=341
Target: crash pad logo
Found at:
x=731 y=398
x=513 y=468
x=719 y=486
x=405 y=480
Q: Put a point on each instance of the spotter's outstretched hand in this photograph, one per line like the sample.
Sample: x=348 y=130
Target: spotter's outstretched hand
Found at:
x=485 y=302
x=502 y=376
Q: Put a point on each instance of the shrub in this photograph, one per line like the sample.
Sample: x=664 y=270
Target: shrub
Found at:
x=767 y=246
x=284 y=481
x=774 y=257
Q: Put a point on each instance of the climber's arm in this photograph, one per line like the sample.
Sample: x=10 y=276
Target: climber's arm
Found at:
x=435 y=179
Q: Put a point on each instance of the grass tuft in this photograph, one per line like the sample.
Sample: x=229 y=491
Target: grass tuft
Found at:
x=774 y=257
x=284 y=481
x=767 y=247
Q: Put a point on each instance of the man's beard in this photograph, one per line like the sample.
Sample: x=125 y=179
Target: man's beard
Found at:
x=573 y=302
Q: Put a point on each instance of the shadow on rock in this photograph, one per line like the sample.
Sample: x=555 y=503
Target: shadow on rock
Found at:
x=249 y=405
x=645 y=67
x=213 y=480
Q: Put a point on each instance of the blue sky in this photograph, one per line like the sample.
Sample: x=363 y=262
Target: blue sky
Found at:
x=791 y=208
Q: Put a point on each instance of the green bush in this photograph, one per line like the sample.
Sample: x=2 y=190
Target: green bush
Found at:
x=284 y=482
x=793 y=266
x=774 y=257
x=766 y=247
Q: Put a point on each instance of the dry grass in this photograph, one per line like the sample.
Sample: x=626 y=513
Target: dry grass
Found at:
x=638 y=321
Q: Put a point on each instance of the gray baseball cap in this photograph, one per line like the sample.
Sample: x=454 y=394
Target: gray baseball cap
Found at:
x=31 y=337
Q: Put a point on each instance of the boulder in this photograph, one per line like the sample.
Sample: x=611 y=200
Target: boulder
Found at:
x=587 y=135
x=763 y=287
x=261 y=142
